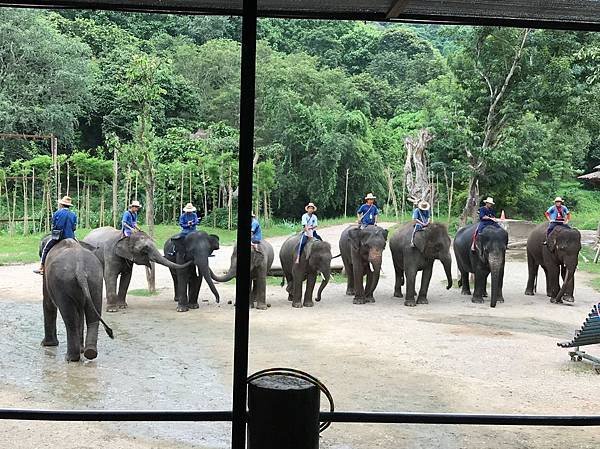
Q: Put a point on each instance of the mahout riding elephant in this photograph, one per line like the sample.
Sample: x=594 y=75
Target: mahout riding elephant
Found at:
x=488 y=258
x=261 y=260
x=117 y=255
x=431 y=243
x=73 y=285
x=315 y=258
x=192 y=249
x=361 y=250
x=559 y=257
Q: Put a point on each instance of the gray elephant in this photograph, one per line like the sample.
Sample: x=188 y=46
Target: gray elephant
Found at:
x=559 y=258
x=315 y=258
x=361 y=250
x=73 y=285
x=194 y=249
x=431 y=243
x=261 y=260
x=118 y=254
x=488 y=258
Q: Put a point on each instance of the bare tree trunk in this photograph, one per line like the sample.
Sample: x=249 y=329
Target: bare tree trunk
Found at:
x=205 y=194
x=115 y=186
x=48 y=207
x=14 y=208
x=10 y=225
x=181 y=190
x=346 y=194
x=265 y=205
x=78 y=191
x=68 y=177
x=101 y=205
x=190 y=183
x=417 y=180
x=472 y=202
x=229 y=201
x=25 y=206
x=87 y=202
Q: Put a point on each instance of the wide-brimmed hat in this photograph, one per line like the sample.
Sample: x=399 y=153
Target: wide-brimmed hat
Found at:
x=66 y=201
x=253 y=215
x=310 y=205
x=135 y=203
x=370 y=196
x=558 y=198
x=424 y=205
x=189 y=207
x=489 y=200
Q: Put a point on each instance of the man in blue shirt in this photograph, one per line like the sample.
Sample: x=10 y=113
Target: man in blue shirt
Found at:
x=129 y=221
x=255 y=232
x=420 y=219
x=368 y=212
x=557 y=215
x=64 y=223
x=487 y=217
x=188 y=220
x=309 y=228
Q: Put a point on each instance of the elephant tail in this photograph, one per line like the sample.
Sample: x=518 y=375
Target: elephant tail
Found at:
x=83 y=283
x=282 y=281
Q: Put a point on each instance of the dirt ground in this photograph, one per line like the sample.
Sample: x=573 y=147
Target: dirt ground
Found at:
x=448 y=356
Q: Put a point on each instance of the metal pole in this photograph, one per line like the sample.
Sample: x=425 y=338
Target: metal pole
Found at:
x=242 y=287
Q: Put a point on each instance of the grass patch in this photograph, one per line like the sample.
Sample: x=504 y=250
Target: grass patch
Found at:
x=143 y=292
x=590 y=266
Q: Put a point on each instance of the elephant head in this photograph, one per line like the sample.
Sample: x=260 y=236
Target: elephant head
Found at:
x=318 y=258
x=369 y=242
x=491 y=249
x=140 y=249
x=434 y=243
x=257 y=258
x=565 y=243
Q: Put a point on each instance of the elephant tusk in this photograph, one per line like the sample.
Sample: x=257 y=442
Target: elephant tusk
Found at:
x=371 y=267
x=322 y=276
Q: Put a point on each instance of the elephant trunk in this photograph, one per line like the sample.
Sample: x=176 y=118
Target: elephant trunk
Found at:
x=227 y=276
x=326 y=277
x=207 y=274
x=447 y=263
x=155 y=256
x=496 y=267
x=568 y=279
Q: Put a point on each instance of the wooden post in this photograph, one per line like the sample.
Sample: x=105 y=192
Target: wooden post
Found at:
x=205 y=194
x=346 y=194
x=25 y=207
x=283 y=413
x=450 y=197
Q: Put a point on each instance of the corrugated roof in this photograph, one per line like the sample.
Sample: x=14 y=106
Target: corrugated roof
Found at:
x=584 y=14
x=595 y=176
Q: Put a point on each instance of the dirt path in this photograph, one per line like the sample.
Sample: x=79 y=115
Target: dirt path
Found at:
x=450 y=356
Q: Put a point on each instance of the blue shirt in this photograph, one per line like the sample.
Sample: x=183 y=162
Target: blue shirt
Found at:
x=422 y=215
x=255 y=231
x=66 y=221
x=556 y=215
x=484 y=211
x=188 y=222
x=368 y=213
x=129 y=219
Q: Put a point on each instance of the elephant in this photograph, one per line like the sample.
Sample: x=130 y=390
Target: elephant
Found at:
x=194 y=249
x=260 y=264
x=315 y=258
x=73 y=285
x=361 y=250
x=118 y=254
x=489 y=257
x=431 y=243
x=559 y=257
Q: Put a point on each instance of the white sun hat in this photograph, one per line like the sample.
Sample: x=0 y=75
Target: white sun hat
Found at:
x=189 y=207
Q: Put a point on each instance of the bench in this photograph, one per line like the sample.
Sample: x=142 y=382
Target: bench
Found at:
x=589 y=334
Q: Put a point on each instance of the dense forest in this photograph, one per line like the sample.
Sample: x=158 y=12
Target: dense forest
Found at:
x=147 y=106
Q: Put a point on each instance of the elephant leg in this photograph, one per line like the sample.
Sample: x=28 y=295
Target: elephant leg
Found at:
x=398 y=260
x=410 y=277
x=464 y=281
x=359 y=295
x=553 y=275
x=50 y=338
x=298 y=276
x=350 y=291
x=182 y=282
x=569 y=289
x=480 y=283
x=425 y=280
x=194 y=290
x=111 y=292
x=124 y=281
x=174 y=277
x=73 y=320
x=532 y=268
x=500 y=297
x=311 y=280
x=260 y=290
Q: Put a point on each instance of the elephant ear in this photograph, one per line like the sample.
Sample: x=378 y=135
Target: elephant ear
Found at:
x=123 y=248
x=355 y=235
x=308 y=249
x=213 y=241
x=420 y=240
x=385 y=234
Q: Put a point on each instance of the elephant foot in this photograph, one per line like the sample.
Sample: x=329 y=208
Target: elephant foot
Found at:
x=466 y=292
x=262 y=306
x=50 y=342
x=556 y=300
x=500 y=299
x=309 y=304
x=410 y=303
x=182 y=308
x=477 y=299
x=370 y=299
x=290 y=298
x=398 y=295
x=194 y=305
x=421 y=300
x=175 y=299
x=568 y=298
x=358 y=300
x=350 y=292
x=485 y=295
x=122 y=305
x=252 y=304
x=112 y=308
x=90 y=352
x=73 y=357
x=529 y=293
x=297 y=305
